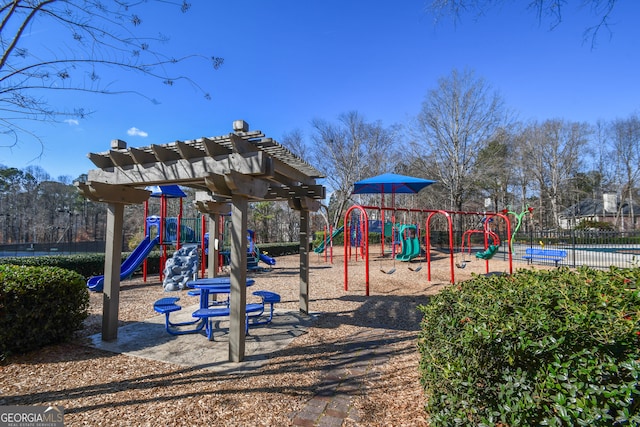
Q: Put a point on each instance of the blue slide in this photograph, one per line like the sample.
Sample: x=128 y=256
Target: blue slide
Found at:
x=267 y=259
x=133 y=261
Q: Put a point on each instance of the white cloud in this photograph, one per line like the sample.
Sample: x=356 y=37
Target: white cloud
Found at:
x=137 y=132
x=72 y=122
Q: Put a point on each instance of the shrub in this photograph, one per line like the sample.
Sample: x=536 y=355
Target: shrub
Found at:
x=39 y=306
x=319 y=237
x=536 y=348
x=86 y=265
x=279 y=249
x=587 y=224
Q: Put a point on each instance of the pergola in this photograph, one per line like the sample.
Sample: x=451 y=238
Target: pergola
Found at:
x=228 y=171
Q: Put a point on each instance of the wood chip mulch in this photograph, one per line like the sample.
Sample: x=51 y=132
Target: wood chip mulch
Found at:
x=99 y=388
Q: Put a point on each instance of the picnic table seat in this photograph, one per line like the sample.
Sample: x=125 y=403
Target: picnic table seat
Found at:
x=267 y=298
x=167 y=306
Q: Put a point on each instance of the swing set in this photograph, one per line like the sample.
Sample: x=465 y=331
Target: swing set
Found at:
x=490 y=248
x=491 y=242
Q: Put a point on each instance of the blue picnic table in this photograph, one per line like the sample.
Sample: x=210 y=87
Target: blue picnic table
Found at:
x=207 y=311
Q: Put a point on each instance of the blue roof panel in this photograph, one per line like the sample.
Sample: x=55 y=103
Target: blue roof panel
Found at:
x=391 y=183
x=166 y=190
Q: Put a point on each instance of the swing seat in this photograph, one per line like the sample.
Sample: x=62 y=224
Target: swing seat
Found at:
x=489 y=253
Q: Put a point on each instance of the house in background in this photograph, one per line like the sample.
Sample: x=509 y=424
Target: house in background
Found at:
x=623 y=216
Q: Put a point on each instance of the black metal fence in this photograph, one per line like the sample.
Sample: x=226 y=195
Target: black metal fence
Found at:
x=62 y=248
x=597 y=249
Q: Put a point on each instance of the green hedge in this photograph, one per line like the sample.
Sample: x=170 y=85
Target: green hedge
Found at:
x=86 y=265
x=536 y=348
x=89 y=265
x=39 y=306
x=279 y=249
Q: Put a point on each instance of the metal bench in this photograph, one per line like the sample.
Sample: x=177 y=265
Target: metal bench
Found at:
x=536 y=254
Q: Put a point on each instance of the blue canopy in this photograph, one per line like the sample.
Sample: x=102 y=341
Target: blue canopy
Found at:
x=166 y=191
x=391 y=183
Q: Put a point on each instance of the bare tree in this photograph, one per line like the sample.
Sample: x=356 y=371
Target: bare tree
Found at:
x=348 y=151
x=458 y=119
x=604 y=168
x=555 y=151
x=294 y=141
x=494 y=172
x=100 y=37
x=552 y=10
x=626 y=152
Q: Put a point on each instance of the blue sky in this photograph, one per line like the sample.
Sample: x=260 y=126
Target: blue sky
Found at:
x=290 y=61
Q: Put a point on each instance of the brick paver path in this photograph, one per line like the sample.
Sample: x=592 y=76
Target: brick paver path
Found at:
x=346 y=378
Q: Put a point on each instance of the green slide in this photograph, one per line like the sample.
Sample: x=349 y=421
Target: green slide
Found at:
x=322 y=245
x=410 y=245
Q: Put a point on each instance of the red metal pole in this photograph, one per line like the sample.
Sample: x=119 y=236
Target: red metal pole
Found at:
x=382 y=222
x=330 y=243
x=451 y=261
x=144 y=263
x=345 y=245
x=348 y=246
x=485 y=226
x=203 y=226
x=161 y=230
x=326 y=242
x=179 y=226
x=508 y=222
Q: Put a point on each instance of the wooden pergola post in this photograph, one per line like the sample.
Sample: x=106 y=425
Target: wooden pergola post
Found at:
x=112 y=262
x=238 y=297
x=304 y=261
x=116 y=196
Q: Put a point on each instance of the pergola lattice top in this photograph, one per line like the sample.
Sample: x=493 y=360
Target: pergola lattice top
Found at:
x=243 y=161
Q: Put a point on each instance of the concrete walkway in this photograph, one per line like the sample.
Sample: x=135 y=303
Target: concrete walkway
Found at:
x=150 y=340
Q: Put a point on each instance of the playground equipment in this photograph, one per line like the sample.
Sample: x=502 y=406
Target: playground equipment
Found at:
x=165 y=232
x=328 y=240
x=490 y=249
x=390 y=183
x=518 y=216
x=406 y=237
x=362 y=212
x=129 y=266
x=181 y=268
x=254 y=255
x=410 y=245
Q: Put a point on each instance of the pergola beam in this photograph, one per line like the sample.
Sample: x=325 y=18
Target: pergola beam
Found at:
x=184 y=171
x=101 y=192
